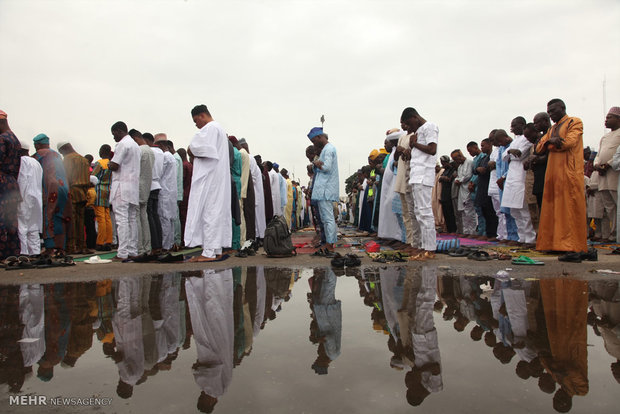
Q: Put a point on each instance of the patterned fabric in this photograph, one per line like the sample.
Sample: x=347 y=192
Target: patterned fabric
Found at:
x=56 y=209
x=104 y=174
x=78 y=176
x=9 y=194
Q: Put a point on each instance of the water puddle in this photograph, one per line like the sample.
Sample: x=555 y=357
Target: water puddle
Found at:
x=257 y=339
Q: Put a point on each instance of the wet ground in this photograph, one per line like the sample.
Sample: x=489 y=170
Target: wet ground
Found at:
x=313 y=340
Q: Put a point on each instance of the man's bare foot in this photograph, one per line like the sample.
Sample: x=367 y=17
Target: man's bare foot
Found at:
x=201 y=259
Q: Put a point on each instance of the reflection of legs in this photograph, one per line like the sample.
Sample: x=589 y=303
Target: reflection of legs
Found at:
x=424 y=216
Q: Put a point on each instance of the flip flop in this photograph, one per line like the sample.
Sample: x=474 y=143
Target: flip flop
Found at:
x=524 y=260
x=479 y=255
x=461 y=252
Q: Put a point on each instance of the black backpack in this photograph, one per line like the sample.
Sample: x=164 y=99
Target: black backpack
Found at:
x=277 y=241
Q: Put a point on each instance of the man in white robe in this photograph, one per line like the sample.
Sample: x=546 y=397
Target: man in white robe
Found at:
x=388 y=222
x=31 y=315
x=514 y=186
x=167 y=208
x=210 y=302
x=274 y=181
x=209 y=213
x=493 y=189
x=124 y=191
x=30 y=210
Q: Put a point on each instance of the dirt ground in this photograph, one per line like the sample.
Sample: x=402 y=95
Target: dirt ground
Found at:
x=454 y=265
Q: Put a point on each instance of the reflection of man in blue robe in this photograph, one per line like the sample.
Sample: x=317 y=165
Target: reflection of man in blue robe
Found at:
x=328 y=315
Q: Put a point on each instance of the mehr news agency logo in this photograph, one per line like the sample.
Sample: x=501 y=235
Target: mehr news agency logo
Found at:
x=43 y=400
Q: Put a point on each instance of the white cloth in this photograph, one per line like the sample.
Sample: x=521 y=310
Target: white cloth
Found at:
x=423 y=210
x=259 y=199
x=32 y=316
x=388 y=223
x=158 y=167
x=274 y=181
x=210 y=302
x=208 y=213
x=502 y=233
x=261 y=297
x=514 y=186
x=30 y=210
x=422 y=165
x=283 y=193
x=126 y=180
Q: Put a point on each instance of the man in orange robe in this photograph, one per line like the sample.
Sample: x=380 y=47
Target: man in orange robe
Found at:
x=563 y=211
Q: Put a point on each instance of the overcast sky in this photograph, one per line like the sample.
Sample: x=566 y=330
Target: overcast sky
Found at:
x=268 y=70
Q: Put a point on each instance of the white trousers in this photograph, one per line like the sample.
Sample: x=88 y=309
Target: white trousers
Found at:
x=610 y=201
x=126 y=228
x=423 y=209
x=29 y=239
x=502 y=233
x=525 y=229
x=469 y=217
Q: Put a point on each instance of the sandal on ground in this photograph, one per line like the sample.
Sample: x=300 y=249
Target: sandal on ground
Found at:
x=524 y=260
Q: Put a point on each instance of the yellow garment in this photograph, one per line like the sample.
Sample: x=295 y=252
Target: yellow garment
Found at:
x=563 y=215
x=91 y=195
x=288 y=209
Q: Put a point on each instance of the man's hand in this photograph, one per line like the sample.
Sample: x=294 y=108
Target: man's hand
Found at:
x=500 y=182
x=471 y=187
x=556 y=142
x=413 y=139
x=491 y=165
x=457 y=182
x=318 y=164
x=481 y=170
x=515 y=152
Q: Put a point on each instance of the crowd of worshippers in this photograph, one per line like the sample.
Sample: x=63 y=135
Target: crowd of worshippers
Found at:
x=538 y=188
x=143 y=197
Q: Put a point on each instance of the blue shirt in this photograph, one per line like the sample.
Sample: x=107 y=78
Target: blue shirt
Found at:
x=326 y=185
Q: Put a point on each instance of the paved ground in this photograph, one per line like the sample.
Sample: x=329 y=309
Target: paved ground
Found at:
x=458 y=266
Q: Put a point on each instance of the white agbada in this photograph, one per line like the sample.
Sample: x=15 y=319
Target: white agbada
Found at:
x=31 y=314
x=388 y=223
x=210 y=302
x=259 y=198
x=274 y=181
x=30 y=210
x=209 y=214
x=514 y=187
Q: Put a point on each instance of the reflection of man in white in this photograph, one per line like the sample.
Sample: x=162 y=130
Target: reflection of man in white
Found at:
x=423 y=146
x=210 y=302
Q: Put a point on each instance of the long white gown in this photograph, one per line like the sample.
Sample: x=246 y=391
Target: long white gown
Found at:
x=388 y=223
x=209 y=209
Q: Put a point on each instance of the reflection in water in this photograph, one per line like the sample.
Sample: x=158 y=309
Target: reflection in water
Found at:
x=142 y=324
x=326 y=324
